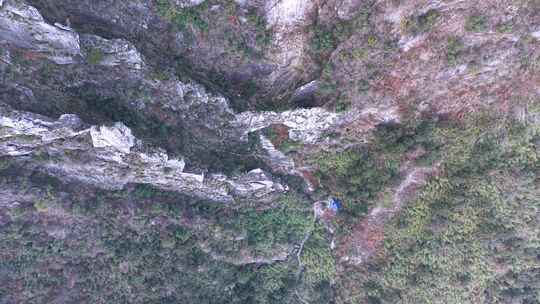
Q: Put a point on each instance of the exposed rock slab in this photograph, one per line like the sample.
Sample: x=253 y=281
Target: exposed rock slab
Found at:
x=110 y=157
x=24 y=26
x=306 y=125
x=115 y=52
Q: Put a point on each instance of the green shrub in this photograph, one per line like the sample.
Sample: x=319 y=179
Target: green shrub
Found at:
x=454 y=48
x=274 y=277
x=183 y=17
x=476 y=23
x=317 y=259
x=264 y=35
x=41 y=205
x=323 y=40
x=95 y=56
x=422 y=23
x=319 y=265
x=286 y=223
x=342 y=106
x=290 y=146
x=505 y=27
x=145 y=191
x=275 y=226
x=427 y=20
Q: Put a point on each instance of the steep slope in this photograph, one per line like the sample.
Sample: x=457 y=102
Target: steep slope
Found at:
x=269 y=151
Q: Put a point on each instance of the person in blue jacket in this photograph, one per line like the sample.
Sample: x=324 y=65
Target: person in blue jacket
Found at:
x=334 y=204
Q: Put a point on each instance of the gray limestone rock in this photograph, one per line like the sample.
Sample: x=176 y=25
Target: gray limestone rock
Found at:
x=24 y=26
x=113 y=52
x=110 y=157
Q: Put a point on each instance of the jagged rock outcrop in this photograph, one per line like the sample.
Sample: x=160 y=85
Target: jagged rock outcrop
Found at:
x=110 y=158
x=204 y=121
x=115 y=52
x=111 y=81
x=107 y=81
x=305 y=125
x=288 y=20
x=272 y=39
x=23 y=26
x=188 y=3
x=277 y=160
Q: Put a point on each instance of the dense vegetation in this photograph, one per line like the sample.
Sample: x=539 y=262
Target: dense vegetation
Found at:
x=148 y=246
x=359 y=174
x=472 y=235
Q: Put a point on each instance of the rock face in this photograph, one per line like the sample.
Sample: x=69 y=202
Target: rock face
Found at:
x=273 y=35
x=106 y=157
x=111 y=75
x=107 y=75
x=23 y=26
x=305 y=125
x=288 y=20
x=112 y=52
